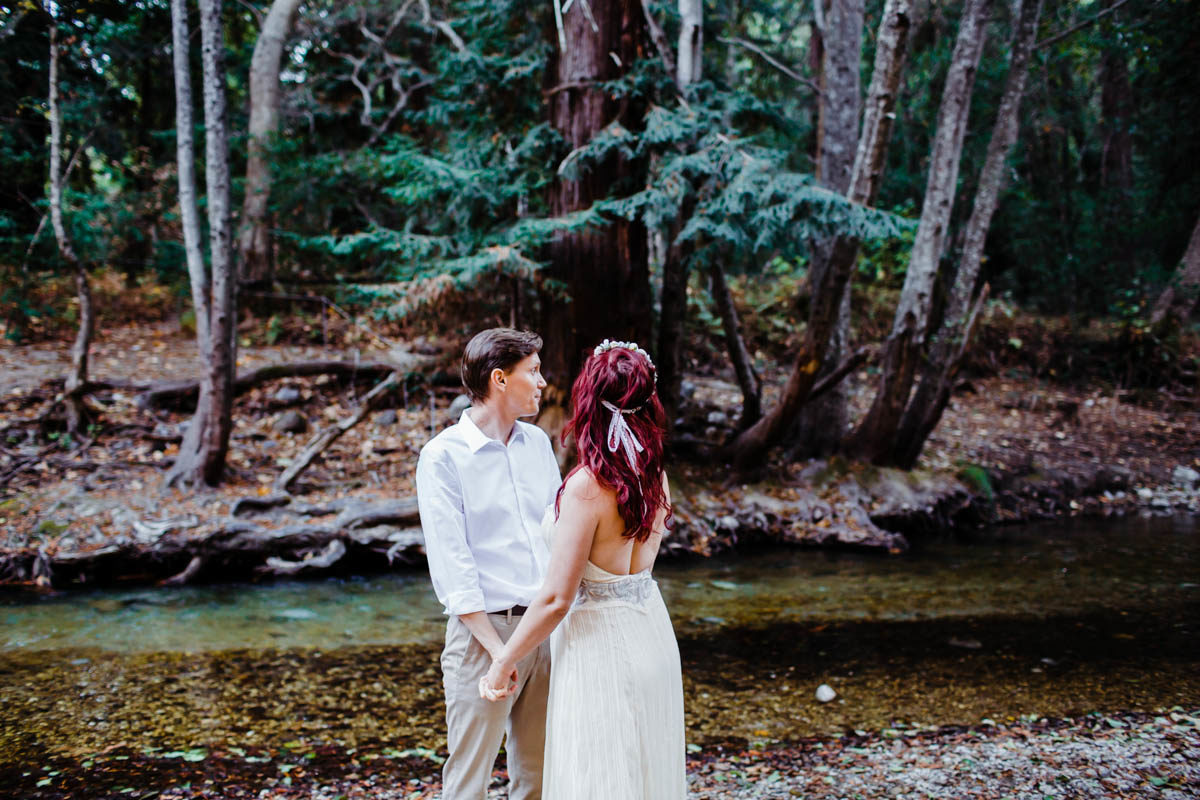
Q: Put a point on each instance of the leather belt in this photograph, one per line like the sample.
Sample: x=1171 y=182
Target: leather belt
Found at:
x=515 y=611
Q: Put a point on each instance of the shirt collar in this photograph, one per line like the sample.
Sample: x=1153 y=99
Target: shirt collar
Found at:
x=477 y=439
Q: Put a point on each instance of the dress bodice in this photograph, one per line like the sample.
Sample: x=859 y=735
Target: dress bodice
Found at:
x=598 y=585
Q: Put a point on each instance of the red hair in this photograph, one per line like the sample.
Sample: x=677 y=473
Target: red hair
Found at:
x=625 y=379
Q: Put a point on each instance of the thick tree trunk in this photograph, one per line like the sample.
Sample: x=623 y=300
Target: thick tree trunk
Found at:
x=604 y=271
x=874 y=438
x=948 y=348
x=743 y=364
x=751 y=445
x=1176 y=302
x=202 y=454
x=77 y=377
x=822 y=423
x=254 y=242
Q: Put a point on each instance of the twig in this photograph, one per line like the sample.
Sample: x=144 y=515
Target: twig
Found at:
x=324 y=438
x=779 y=65
x=1073 y=29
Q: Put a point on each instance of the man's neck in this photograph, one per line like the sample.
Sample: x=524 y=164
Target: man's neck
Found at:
x=493 y=421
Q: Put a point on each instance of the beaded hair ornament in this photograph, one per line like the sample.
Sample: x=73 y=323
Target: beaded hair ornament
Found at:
x=619 y=434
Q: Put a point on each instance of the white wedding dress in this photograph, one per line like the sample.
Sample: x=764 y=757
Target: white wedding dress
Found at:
x=614 y=724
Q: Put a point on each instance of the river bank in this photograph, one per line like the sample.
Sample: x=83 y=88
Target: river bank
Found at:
x=1119 y=755
x=1008 y=450
x=327 y=688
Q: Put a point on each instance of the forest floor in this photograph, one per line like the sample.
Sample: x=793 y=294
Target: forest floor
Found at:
x=1023 y=447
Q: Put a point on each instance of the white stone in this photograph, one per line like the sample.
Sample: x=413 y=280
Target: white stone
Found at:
x=1185 y=477
x=825 y=693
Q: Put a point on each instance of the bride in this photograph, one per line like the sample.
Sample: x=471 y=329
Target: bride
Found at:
x=614 y=727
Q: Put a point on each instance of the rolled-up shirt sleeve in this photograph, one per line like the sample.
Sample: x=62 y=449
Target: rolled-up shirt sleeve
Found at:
x=443 y=521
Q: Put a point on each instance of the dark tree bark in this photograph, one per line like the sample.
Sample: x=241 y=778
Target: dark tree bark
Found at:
x=752 y=444
x=873 y=440
x=949 y=346
x=255 y=252
x=822 y=423
x=604 y=271
x=675 y=268
x=202 y=454
x=743 y=364
x=77 y=378
x=1176 y=302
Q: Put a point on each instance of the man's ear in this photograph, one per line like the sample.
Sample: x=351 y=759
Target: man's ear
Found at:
x=498 y=380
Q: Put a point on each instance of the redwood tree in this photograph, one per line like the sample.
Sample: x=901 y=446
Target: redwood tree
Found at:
x=603 y=270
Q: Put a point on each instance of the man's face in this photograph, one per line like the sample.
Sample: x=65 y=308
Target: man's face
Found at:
x=524 y=386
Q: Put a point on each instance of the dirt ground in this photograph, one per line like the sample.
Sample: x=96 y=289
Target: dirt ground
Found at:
x=1004 y=423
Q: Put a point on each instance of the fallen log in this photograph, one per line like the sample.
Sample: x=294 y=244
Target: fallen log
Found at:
x=184 y=393
x=363 y=537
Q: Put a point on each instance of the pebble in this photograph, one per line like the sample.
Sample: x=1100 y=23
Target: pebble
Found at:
x=291 y=422
x=825 y=693
x=287 y=395
x=386 y=417
x=1185 y=477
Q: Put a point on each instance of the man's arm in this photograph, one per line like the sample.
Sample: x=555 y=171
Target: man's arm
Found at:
x=483 y=631
x=443 y=521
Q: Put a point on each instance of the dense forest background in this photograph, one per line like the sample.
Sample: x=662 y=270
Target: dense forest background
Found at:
x=450 y=165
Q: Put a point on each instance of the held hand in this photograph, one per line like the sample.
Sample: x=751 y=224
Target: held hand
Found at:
x=497 y=685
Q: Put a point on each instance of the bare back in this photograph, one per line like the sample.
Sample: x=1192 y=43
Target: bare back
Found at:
x=614 y=552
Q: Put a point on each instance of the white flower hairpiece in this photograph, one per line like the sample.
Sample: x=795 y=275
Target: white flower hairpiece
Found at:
x=609 y=344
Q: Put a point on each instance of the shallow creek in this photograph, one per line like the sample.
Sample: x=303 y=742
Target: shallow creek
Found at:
x=1048 y=619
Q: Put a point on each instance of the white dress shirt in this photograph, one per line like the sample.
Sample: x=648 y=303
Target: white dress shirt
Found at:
x=481 y=505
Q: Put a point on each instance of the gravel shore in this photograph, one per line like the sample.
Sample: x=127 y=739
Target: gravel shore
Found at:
x=1096 y=756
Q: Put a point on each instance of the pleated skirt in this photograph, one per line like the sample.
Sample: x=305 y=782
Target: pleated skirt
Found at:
x=614 y=725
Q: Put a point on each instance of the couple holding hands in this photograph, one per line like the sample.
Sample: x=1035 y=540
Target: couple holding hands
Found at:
x=556 y=634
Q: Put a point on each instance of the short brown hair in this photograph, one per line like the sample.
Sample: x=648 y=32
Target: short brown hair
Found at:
x=495 y=348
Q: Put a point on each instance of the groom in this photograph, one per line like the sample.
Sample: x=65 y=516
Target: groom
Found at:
x=483 y=485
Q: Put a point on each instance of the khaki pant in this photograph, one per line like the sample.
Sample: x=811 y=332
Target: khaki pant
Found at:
x=475 y=727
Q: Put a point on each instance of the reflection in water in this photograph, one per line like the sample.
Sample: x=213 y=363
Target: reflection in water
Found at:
x=1052 y=568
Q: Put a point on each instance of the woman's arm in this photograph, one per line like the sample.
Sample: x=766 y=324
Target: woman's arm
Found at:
x=579 y=513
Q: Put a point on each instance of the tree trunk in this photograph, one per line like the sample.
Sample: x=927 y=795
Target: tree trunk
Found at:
x=604 y=271
x=689 y=65
x=673 y=299
x=254 y=242
x=1179 y=298
x=77 y=377
x=185 y=161
x=821 y=423
x=949 y=346
x=874 y=438
x=752 y=444
x=202 y=454
x=743 y=365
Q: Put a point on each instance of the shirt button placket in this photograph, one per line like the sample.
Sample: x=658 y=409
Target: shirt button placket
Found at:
x=512 y=477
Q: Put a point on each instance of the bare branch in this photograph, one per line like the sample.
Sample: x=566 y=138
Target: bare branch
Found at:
x=1075 y=28
x=779 y=65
